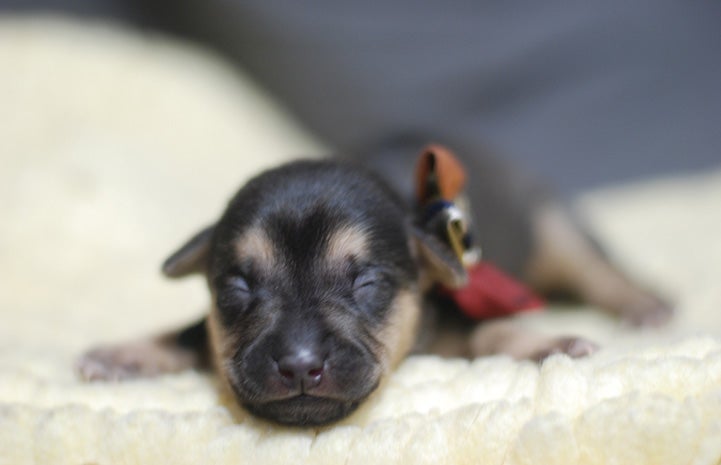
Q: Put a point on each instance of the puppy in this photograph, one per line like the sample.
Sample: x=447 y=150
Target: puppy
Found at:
x=319 y=272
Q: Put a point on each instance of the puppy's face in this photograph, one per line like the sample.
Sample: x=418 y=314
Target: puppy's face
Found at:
x=315 y=290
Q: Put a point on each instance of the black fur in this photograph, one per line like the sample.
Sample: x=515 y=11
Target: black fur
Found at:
x=334 y=311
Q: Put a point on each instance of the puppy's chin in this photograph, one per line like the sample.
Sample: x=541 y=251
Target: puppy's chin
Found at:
x=303 y=410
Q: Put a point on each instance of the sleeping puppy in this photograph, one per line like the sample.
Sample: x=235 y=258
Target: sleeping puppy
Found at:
x=318 y=274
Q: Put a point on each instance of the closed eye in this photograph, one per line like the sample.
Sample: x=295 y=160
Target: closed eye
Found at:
x=238 y=284
x=234 y=293
x=366 y=279
x=366 y=284
x=373 y=290
x=235 y=296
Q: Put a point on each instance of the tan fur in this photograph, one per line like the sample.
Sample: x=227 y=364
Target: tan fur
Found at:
x=347 y=241
x=564 y=259
x=144 y=357
x=255 y=245
x=450 y=342
x=562 y=255
x=401 y=330
x=220 y=348
x=506 y=337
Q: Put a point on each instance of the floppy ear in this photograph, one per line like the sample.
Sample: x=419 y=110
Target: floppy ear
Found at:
x=191 y=257
x=440 y=178
x=438 y=174
x=438 y=263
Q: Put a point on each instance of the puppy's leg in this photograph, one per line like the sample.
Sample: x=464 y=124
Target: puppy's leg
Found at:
x=168 y=353
x=505 y=337
x=566 y=259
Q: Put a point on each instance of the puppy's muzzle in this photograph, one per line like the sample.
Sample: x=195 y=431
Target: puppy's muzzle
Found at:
x=304 y=381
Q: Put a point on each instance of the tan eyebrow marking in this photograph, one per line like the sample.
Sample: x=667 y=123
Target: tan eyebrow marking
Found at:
x=254 y=244
x=348 y=241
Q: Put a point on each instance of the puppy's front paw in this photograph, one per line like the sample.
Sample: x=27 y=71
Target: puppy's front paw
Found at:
x=647 y=312
x=133 y=360
x=112 y=363
x=103 y=364
x=574 y=347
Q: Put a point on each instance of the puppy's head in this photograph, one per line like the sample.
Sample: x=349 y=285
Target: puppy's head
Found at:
x=315 y=273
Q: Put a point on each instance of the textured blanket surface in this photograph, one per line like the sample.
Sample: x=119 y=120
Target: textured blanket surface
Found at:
x=116 y=146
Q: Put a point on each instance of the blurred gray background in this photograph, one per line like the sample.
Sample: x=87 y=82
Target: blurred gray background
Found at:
x=582 y=94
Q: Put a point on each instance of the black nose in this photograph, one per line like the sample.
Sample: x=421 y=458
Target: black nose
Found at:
x=301 y=369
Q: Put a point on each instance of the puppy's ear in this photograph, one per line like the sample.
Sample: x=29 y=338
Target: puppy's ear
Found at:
x=191 y=257
x=438 y=263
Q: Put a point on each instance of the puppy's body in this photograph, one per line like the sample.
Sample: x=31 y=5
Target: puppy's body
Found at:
x=317 y=273
x=524 y=230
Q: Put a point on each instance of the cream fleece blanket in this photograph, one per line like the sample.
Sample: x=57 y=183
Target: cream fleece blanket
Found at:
x=116 y=146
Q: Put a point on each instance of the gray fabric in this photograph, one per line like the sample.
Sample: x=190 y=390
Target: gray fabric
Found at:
x=581 y=93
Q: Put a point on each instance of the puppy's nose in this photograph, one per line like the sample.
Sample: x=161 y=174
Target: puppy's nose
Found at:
x=302 y=368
